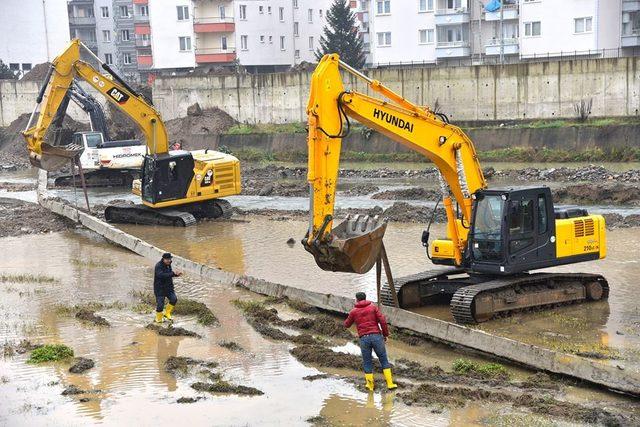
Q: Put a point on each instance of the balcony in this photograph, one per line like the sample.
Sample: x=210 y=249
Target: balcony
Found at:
x=631 y=39
x=452 y=49
x=510 y=12
x=511 y=47
x=82 y=20
x=142 y=43
x=141 y=19
x=630 y=5
x=214 y=24
x=145 y=61
x=215 y=55
x=140 y=1
x=452 y=16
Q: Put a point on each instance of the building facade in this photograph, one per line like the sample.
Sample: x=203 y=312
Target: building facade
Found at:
x=33 y=32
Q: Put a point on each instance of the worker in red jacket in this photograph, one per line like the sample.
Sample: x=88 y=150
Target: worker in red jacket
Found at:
x=373 y=333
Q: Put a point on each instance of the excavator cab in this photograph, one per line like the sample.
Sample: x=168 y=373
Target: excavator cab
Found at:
x=353 y=246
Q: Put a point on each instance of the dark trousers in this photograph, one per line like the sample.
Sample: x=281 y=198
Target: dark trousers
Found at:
x=369 y=343
x=160 y=296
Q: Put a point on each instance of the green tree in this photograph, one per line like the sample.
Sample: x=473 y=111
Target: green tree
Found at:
x=341 y=35
x=5 y=71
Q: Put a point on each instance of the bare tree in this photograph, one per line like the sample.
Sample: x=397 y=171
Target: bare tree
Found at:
x=583 y=109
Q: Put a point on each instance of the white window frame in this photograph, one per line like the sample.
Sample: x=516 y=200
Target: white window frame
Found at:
x=261 y=39
x=270 y=39
x=428 y=6
x=106 y=36
x=126 y=58
x=283 y=43
x=296 y=29
x=144 y=10
x=244 y=42
x=242 y=12
x=222 y=10
x=108 y=59
x=124 y=9
x=383 y=7
x=186 y=46
x=296 y=54
x=123 y=38
x=281 y=14
x=427 y=32
x=269 y=10
x=310 y=16
x=261 y=10
x=104 y=9
x=311 y=45
x=530 y=26
x=385 y=36
x=184 y=10
x=295 y=4
x=224 y=43
x=584 y=20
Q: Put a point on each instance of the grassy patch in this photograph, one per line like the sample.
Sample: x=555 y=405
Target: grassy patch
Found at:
x=485 y=370
x=268 y=128
x=184 y=307
x=526 y=154
x=72 y=310
x=249 y=307
x=26 y=278
x=91 y=263
x=50 y=353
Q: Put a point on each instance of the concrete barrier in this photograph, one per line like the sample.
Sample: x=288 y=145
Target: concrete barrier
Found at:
x=515 y=351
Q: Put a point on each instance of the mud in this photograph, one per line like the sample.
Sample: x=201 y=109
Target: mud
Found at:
x=606 y=193
x=251 y=187
x=615 y=220
x=226 y=388
x=21 y=218
x=181 y=365
x=201 y=121
x=316 y=377
x=231 y=345
x=24 y=346
x=72 y=390
x=14 y=186
x=321 y=324
x=81 y=364
x=189 y=399
x=171 y=331
x=90 y=317
x=540 y=380
x=184 y=307
x=325 y=357
x=360 y=190
x=414 y=193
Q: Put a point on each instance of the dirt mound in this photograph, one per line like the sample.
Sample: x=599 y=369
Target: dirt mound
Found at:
x=252 y=187
x=360 y=190
x=321 y=324
x=226 y=388
x=37 y=73
x=414 y=193
x=189 y=399
x=81 y=364
x=405 y=212
x=171 y=331
x=72 y=390
x=91 y=317
x=325 y=357
x=231 y=345
x=208 y=121
x=179 y=364
x=606 y=193
x=20 y=218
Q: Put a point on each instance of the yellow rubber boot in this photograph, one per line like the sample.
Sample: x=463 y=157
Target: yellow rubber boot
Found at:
x=168 y=310
x=389 y=378
x=159 y=318
x=368 y=381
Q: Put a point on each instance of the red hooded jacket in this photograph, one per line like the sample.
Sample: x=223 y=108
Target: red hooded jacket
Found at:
x=368 y=319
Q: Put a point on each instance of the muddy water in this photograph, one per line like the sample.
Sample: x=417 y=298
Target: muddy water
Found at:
x=258 y=247
x=133 y=387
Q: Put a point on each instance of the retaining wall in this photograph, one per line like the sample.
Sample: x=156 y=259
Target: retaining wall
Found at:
x=451 y=333
x=508 y=92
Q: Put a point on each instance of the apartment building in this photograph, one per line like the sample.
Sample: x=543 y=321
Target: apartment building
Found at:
x=630 y=25
x=33 y=32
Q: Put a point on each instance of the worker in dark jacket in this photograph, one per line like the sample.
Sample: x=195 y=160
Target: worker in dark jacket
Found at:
x=373 y=333
x=163 y=288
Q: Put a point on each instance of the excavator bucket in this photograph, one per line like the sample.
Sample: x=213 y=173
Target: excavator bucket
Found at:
x=55 y=157
x=353 y=247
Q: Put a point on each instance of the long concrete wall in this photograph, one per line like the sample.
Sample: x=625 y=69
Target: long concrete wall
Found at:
x=451 y=333
x=510 y=92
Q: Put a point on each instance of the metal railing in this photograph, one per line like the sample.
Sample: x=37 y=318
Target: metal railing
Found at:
x=506 y=41
x=633 y=33
x=82 y=20
x=143 y=43
x=213 y=20
x=456 y=11
x=515 y=59
x=141 y=19
x=461 y=43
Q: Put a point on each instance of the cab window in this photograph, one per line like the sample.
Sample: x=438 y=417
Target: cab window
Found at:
x=521 y=222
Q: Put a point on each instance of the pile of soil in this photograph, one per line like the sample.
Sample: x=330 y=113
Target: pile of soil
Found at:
x=605 y=193
x=91 y=317
x=171 y=331
x=360 y=190
x=15 y=186
x=20 y=218
x=252 y=187
x=181 y=365
x=226 y=388
x=591 y=173
x=81 y=364
x=198 y=121
x=321 y=324
x=37 y=73
x=24 y=346
x=414 y=193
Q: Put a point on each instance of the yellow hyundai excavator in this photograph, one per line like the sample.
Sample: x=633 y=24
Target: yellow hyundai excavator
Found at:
x=176 y=186
x=494 y=237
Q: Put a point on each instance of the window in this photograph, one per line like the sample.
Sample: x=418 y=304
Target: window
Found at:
x=426 y=36
x=126 y=58
x=270 y=39
x=146 y=38
x=383 y=6
x=282 y=43
x=582 y=25
x=281 y=14
x=630 y=23
x=106 y=35
x=125 y=36
x=542 y=214
x=124 y=11
x=320 y=13
x=296 y=29
x=295 y=4
x=520 y=224
x=26 y=67
x=104 y=11
x=244 y=42
x=261 y=39
x=183 y=13
x=260 y=9
x=455 y=4
x=223 y=12
x=311 y=43
x=269 y=9
x=14 y=66
x=297 y=53
x=532 y=29
x=144 y=10
x=310 y=15
x=108 y=59
x=223 y=42
x=243 y=12
x=185 y=43
x=384 y=39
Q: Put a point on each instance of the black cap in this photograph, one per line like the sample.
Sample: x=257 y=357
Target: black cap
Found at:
x=166 y=255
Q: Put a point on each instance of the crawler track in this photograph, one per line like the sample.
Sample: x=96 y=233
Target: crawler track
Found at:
x=139 y=214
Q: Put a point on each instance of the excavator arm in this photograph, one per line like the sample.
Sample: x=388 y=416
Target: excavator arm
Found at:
x=64 y=69
x=354 y=245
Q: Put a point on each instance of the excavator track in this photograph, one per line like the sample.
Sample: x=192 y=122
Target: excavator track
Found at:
x=98 y=179
x=477 y=299
x=225 y=207
x=140 y=214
